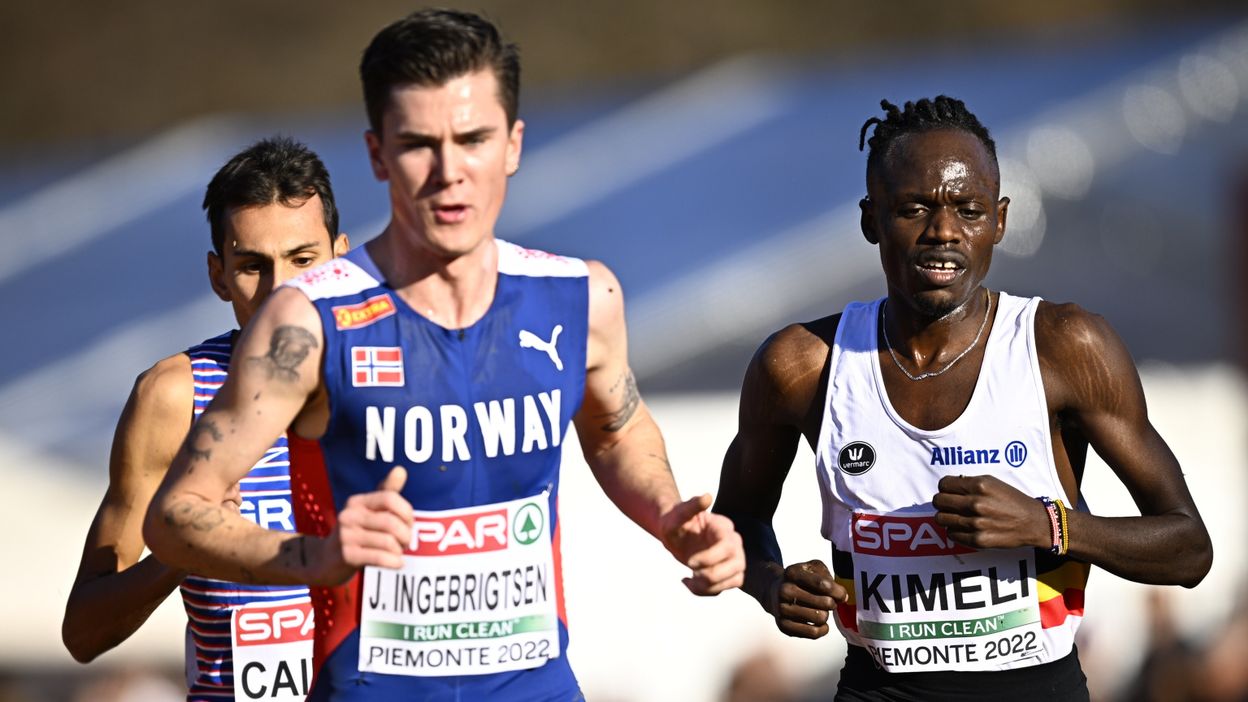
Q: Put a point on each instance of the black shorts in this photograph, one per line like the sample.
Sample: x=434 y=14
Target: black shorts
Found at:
x=1059 y=681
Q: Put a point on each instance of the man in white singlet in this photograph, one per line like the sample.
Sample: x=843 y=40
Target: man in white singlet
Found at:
x=950 y=425
x=272 y=215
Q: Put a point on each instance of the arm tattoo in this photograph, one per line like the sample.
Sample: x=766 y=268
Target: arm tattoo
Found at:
x=662 y=459
x=289 y=547
x=204 y=427
x=197 y=517
x=288 y=346
x=617 y=419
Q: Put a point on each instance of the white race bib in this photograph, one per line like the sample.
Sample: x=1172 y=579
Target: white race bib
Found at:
x=926 y=603
x=476 y=595
x=272 y=647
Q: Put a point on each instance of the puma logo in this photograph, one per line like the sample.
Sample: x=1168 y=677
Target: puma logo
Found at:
x=529 y=340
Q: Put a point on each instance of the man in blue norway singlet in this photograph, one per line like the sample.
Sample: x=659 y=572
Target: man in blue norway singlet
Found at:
x=272 y=215
x=950 y=426
x=428 y=382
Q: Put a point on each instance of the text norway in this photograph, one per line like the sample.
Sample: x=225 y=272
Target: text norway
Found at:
x=497 y=425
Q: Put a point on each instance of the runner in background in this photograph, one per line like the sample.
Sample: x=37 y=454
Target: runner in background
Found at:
x=272 y=215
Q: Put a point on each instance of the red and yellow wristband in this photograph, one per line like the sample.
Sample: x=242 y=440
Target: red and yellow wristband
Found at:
x=1059 y=526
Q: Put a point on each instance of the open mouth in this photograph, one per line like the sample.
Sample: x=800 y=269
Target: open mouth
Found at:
x=940 y=273
x=450 y=214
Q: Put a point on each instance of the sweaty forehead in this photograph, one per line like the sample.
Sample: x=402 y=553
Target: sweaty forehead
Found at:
x=940 y=157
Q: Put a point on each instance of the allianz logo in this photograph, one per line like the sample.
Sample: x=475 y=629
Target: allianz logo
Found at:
x=1014 y=453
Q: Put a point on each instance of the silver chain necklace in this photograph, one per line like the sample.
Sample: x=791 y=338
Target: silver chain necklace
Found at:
x=933 y=374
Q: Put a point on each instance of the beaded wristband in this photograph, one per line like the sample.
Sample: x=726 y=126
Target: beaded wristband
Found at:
x=1064 y=523
x=1057 y=525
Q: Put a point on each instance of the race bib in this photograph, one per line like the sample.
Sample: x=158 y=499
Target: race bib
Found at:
x=925 y=602
x=476 y=595
x=272 y=647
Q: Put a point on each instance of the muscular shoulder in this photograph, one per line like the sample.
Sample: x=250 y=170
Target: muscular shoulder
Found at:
x=606 y=298
x=287 y=325
x=289 y=305
x=165 y=388
x=1080 y=354
x=787 y=370
x=1067 y=333
x=789 y=357
x=153 y=423
x=602 y=280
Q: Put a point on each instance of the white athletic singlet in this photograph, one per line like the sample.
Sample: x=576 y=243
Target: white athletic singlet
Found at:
x=918 y=601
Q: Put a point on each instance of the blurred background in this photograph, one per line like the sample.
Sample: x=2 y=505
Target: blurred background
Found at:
x=707 y=151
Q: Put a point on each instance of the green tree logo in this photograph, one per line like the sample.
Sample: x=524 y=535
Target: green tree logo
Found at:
x=527 y=525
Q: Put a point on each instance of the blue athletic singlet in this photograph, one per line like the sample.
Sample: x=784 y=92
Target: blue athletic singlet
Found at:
x=212 y=604
x=477 y=416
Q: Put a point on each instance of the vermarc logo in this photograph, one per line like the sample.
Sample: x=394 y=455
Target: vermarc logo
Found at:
x=856 y=457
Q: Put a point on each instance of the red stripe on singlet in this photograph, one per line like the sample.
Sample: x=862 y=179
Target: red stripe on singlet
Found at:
x=1053 y=611
x=848 y=614
x=337 y=608
x=562 y=611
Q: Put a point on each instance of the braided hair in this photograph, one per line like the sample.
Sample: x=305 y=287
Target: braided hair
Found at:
x=925 y=115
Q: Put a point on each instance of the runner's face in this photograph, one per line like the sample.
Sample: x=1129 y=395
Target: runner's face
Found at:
x=446 y=152
x=933 y=211
x=263 y=247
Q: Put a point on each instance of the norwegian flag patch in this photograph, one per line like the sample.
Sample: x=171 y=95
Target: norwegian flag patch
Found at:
x=376 y=366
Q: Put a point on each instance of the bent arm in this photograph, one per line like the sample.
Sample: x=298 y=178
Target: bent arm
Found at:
x=114 y=592
x=756 y=465
x=1091 y=369
x=621 y=441
x=625 y=451
x=780 y=402
x=275 y=369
